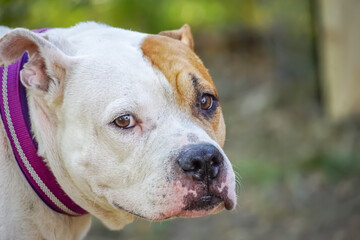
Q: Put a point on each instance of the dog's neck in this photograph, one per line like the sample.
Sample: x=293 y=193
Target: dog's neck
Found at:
x=24 y=212
x=27 y=212
x=15 y=116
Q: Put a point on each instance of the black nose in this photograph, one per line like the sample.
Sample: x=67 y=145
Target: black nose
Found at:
x=201 y=161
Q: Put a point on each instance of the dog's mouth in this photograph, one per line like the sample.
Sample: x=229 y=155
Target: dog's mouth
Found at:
x=207 y=202
x=194 y=207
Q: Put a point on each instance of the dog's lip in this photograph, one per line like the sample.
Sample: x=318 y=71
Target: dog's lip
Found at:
x=211 y=209
x=206 y=202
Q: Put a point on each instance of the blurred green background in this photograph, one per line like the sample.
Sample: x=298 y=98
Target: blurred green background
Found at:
x=299 y=166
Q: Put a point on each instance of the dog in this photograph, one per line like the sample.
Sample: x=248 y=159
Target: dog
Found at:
x=113 y=123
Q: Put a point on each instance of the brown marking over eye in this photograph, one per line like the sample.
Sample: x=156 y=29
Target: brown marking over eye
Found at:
x=175 y=60
x=179 y=63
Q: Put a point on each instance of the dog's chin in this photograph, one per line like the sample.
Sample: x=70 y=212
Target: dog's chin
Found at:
x=201 y=212
x=180 y=212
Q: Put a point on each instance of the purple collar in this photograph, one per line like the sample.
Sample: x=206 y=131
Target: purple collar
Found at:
x=16 y=119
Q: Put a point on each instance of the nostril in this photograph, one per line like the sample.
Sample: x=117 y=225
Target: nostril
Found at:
x=198 y=169
x=191 y=165
x=214 y=162
x=197 y=164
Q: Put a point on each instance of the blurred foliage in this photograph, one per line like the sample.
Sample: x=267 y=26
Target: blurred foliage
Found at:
x=153 y=15
x=335 y=166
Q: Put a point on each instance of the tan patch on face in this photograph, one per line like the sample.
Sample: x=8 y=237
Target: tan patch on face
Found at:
x=178 y=63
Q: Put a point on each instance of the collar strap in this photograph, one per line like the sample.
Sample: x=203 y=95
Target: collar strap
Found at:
x=16 y=120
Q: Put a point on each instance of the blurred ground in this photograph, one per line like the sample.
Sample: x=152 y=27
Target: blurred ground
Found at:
x=299 y=172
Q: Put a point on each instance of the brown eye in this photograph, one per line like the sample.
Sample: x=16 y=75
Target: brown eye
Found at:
x=207 y=102
x=125 y=121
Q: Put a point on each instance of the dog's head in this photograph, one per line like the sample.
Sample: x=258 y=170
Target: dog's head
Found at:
x=129 y=123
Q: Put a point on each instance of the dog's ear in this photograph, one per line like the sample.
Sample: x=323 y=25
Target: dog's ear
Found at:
x=47 y=63
x=183 y=34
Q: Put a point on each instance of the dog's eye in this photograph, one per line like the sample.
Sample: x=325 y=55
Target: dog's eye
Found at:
x=206 y=101
x=125 y=121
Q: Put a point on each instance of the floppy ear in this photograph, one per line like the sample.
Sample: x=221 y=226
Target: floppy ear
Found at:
x=47 y=64
x=183 y=34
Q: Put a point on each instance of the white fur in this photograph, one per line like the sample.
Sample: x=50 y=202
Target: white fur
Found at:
x=98 y=165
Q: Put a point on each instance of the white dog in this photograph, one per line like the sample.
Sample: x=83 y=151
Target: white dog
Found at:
x=109 y=122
